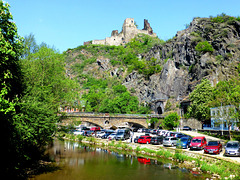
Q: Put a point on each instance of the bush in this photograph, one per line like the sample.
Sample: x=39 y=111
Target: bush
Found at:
x=80 y=137
x=171 y=120
x=204 y=47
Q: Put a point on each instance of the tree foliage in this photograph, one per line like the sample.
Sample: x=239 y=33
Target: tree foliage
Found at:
x=115 y=99
x=200 y=98
x=171 y=120
x=10 y=89
x=204 y=47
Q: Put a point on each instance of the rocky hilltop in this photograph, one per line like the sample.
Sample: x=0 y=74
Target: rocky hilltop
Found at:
x=207 y=48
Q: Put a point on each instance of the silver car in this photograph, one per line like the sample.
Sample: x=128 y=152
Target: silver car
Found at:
x=232 y=148
x=170 y=141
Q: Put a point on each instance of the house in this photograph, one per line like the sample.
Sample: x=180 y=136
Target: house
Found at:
x=222 y=116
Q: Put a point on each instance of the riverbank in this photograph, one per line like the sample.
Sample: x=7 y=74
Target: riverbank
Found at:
x=199 y=163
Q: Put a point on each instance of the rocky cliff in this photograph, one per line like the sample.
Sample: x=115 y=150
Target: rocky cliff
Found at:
x=184 y=66
x=207 y=48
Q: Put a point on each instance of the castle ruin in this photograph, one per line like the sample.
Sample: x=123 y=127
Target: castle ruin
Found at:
x=129 y=31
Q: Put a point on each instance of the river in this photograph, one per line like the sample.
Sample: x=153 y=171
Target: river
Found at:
x=78 y=161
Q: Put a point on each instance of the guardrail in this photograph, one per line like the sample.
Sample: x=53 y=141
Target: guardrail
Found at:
x=112 y=115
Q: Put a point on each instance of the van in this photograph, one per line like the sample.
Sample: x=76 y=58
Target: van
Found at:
x=198 y=143
x=122 y=134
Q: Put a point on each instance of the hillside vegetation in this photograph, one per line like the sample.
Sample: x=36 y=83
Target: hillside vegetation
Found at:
x=100 y=70
x=153 y=69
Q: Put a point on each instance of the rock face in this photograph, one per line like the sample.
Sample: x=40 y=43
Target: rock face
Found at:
x=184 y=67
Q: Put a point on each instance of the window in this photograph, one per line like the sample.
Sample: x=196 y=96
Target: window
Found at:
x=213 y=113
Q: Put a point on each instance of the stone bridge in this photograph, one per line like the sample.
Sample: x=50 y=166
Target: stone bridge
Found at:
x=107 y=121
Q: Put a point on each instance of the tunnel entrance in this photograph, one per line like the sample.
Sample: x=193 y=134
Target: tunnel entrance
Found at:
x=159 y=110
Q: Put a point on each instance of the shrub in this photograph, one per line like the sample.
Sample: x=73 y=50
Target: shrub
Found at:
x=138 y=149
x=204 y=47
x=80 y=137
x=171 y=120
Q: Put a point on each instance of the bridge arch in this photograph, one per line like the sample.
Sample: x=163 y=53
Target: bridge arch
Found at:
x=107 y=121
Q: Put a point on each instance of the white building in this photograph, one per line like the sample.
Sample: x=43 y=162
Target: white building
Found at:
x=221 y=116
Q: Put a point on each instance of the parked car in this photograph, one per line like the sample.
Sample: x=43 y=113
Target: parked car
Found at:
x=198 y=143
x=184 y=142
x=140 y=130
x=122 y=134
x=162 y=132
x=144 y=139
x=153 y=131
x=134 y=129
x=112 y=136
x=105 y=136
x=100 y=134
x=170 y=141
x=232 y=148
x=179 y=135
x=213 y=147
x=77 y=132
x=88 y=133
x=170 y=133
x=136 y=138
x=157 y=140
x=95 y=129
x=186 y=128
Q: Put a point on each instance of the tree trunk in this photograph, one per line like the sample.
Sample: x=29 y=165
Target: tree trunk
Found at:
x=229 y=132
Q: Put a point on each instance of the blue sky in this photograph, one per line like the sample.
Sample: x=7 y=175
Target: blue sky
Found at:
x=68 y=23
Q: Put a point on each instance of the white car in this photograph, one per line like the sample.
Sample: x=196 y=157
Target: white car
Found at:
x=100 y=134
x=77 y=132
x=112 y=136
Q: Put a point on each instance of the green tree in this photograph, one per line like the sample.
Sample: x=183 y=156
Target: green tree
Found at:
x=171 y=120
x=45 y=79
x=227 y=97
x=200 y=98
x=10 y=90
x=30 y=45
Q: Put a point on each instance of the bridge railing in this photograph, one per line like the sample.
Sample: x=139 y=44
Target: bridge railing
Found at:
x=112 y=115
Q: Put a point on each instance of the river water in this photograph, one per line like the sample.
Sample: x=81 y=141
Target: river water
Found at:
x=78 y=161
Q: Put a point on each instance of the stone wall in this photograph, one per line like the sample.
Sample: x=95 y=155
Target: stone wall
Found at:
x=193 y=123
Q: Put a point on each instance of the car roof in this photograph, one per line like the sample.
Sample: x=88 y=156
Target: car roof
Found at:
x=233 y=142
x=198 y=137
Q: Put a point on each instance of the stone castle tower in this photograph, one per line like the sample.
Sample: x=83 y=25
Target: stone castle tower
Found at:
x=129 y=31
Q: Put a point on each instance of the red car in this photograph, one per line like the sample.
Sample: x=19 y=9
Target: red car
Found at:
x=198 y=143
x=213 y=147
x=144 y=139
x=95 y=129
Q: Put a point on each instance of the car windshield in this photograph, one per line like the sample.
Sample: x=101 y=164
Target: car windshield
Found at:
x=232 y=145
x=184 y=139
x=166 y=139
x=196 y=140
x=141 y=138
x=120 y=133
x=212 y=143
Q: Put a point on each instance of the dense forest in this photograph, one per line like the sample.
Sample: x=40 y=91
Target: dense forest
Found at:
x=36 y=80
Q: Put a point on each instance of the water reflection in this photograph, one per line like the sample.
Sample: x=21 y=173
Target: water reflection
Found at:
x=86 y=162
x=144 y=160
